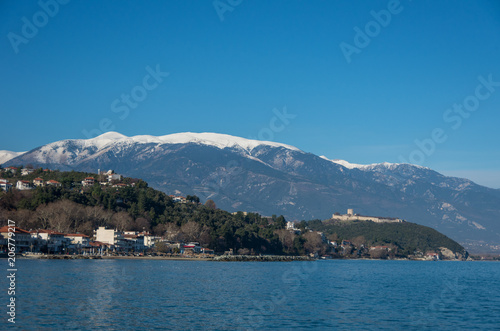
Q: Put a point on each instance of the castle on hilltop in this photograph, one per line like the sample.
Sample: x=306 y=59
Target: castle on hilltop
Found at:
x=350 y=216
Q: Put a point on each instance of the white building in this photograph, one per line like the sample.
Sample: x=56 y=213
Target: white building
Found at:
x=108 y=236
x=112 y=177
x=53 y=183
x=89 y=181
x=78 y=240
x=149 y=240
x=23 y=239
x=5 y=185
x=25 y=171
x=24 y=185
x=55 y=241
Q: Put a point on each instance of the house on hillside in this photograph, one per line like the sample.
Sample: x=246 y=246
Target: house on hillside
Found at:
x=5 y=185
x=54 y=183
x=180 y=199
x=88 y=181
x=26 y=171
x=24 y=185
x=11 y=169
x=112 y=177
x=38 y=181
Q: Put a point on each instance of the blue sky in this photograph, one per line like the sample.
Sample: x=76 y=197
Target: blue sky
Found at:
x=370 y=96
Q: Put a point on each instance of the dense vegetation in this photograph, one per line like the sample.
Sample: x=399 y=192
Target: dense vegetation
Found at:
x=405 y=237
x=74 y=208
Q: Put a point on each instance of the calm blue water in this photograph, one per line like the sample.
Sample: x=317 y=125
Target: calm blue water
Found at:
x=323 y=295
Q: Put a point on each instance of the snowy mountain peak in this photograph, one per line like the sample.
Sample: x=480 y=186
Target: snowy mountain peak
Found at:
x=387 y=165
x=8 y=155
x=207 y=138
x=111 y=135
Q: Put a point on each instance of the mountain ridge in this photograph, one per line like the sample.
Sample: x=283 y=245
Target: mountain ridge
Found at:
x=273 y=178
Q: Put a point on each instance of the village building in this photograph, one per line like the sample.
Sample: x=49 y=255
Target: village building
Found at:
x=116 y=177
x=23 y=240
x=26 y=171
x=191 y=248
x=88 y=181
x=24 y=185
x=56 y=242
x=5 y=185
x=11 y=169
x=207 y=251
x=78 y=241
x=54 y=183
x=179 y=199
x=108 y=236
x=38 y=181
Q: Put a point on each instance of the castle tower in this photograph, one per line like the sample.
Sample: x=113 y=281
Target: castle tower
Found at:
x=350 y=212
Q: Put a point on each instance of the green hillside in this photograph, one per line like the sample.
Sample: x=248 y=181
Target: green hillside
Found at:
x=407 y=237
x=130 y=205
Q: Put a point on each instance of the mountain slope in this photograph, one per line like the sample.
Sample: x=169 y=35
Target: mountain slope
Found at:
x=8 y=155
x=272 y=178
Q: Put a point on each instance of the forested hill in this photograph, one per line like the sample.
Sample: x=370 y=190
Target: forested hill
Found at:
x=131 y=205
x=405 y=237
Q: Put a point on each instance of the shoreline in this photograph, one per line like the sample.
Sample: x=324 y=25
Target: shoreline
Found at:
x=217 y=258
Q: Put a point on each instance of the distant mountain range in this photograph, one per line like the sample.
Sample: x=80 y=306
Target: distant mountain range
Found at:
x=273 y=178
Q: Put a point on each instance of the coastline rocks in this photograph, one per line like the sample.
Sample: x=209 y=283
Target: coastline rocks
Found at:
x=261 y=258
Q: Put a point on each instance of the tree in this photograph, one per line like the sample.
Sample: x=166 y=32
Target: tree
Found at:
x=162 y=247
x=191 y=231
x=314 y=243
x=141 y=224
x=193 y=198
x=280 y=222
x=359 y=241
x=287 y=239
x=210 y=204
x=172 y=232
x=122 y=221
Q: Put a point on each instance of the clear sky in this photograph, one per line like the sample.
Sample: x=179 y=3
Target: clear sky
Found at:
x=366 y=82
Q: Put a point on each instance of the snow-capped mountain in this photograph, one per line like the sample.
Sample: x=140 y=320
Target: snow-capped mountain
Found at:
x=272 y=178
x=8 y=155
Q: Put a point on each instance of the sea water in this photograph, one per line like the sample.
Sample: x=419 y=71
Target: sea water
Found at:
x=204 y=295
